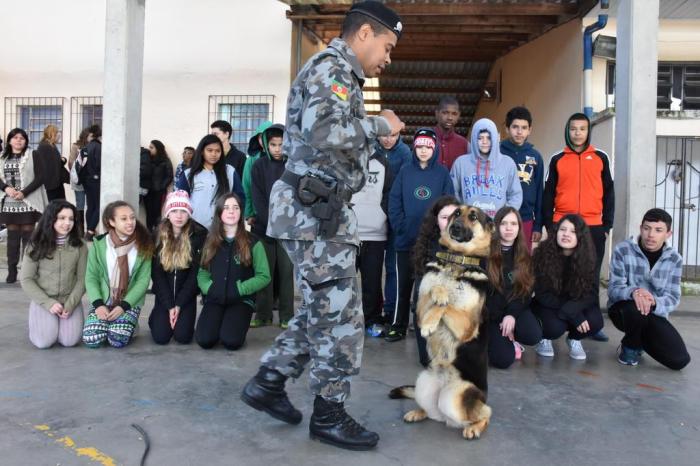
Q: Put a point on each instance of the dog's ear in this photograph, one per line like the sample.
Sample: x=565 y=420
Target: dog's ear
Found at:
x=490 y=226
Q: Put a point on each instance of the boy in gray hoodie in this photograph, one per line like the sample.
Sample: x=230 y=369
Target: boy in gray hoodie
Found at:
x=484 y=177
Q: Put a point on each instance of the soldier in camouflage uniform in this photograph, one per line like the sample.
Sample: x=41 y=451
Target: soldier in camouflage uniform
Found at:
x=330 y=137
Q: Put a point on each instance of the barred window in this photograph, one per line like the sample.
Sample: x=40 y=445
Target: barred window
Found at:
x=244 y=112
x=33 y=114
x=85 y=111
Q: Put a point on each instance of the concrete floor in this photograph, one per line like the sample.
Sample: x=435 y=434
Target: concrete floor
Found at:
x=74 y=406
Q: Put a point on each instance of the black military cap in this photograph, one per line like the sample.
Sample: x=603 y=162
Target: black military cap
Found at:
x=380 y=13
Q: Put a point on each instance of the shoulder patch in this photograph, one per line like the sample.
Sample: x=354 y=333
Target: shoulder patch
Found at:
x=339 y=89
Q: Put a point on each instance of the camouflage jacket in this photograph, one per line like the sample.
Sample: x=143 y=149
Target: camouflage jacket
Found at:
x=327 y=133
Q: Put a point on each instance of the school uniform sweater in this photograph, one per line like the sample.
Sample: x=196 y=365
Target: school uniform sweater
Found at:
x=59 y=279
x=227 y=281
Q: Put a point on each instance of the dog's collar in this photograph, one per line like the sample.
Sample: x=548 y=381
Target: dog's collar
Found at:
x=457 y=258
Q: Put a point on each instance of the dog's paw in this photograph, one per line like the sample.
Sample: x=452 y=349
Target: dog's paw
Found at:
x=428 y=329
x=415 y=415
x=440 y=295
x=474 y=431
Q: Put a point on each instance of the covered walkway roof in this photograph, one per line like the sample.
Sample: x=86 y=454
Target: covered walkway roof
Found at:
x=448 y=47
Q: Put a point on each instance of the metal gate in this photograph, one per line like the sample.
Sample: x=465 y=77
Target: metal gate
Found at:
x=678 y=192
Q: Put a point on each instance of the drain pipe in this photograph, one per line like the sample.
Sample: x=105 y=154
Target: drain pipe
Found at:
x=588 y=58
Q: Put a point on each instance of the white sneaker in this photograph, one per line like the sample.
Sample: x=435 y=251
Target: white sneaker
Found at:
x=576 y=349
x=545 y=348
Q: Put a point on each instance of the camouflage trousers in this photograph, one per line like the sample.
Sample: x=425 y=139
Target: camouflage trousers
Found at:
x=328 y=327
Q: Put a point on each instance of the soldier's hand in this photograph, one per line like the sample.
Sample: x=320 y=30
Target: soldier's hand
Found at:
x=395 y=123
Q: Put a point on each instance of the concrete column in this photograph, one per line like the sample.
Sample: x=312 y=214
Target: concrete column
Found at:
x=635 y=109
x=121 y=117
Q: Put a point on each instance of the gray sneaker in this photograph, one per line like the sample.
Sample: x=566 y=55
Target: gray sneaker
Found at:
x=576 y=350
x=545 y=348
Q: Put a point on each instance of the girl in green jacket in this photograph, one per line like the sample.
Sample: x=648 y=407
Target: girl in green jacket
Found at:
x=117 y=277
x=234 y=267
x=53 y=275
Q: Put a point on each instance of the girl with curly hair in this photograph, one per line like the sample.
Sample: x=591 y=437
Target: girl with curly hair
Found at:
x=509 y=268
x=566 y=295
x=434 y=223
x=53 y=276
x=117 y=277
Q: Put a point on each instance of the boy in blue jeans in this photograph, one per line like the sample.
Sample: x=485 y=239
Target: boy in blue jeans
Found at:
x=414 y=191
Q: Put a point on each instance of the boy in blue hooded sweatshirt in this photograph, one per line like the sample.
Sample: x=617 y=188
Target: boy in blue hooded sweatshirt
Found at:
x=530 y=171
x=415 y=189
x=397 y=154
x=485 y=178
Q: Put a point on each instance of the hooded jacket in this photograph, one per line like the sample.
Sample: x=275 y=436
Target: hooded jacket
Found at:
x=254 y=152
x=530 y=168
x=397 y=156
x=264 y=172
x=486 y=182
x=371 y=203
x=579 y=183
x=413 y=192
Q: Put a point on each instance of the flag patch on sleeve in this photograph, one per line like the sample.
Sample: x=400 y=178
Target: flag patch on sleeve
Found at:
x=339 y=89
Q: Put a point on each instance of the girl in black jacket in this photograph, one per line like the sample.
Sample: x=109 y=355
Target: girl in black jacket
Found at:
x=174 y=272
x=566 y=296
x=161 y=177
x=509 y=268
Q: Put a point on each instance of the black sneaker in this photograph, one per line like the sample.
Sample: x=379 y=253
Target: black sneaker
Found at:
x=395 y=334
x=600 y=336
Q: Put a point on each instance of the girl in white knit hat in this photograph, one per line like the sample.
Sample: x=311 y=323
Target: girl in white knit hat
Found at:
x=179 y=241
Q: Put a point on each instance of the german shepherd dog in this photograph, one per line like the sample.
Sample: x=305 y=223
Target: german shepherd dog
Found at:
x=453 y=319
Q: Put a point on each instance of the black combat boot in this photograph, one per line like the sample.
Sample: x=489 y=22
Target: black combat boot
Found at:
x=331 y=424
x=14 y=245
x=265 y=392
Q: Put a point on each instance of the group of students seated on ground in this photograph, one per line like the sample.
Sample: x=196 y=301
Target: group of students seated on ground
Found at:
x=202 y=245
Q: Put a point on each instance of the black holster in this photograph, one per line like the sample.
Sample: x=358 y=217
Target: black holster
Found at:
x=325 y=199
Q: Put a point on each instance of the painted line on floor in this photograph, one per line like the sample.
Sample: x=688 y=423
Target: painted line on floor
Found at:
x=68 y=443
x=588 y=373
x=650 y=387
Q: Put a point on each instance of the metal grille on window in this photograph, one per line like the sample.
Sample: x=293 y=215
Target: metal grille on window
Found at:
x=244 y=112
x=678 y=192
x=33 y=114
x=84 y=112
